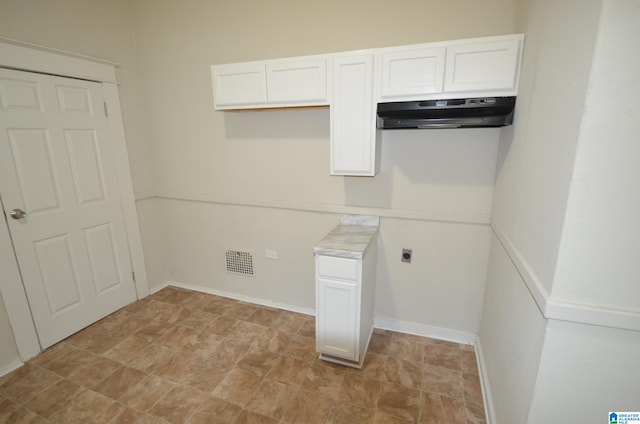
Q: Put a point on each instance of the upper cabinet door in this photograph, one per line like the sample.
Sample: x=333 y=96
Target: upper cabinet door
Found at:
x=239 y=85
x=353 y=116
x=300 y=82
x=483 y=66
x=412 y=72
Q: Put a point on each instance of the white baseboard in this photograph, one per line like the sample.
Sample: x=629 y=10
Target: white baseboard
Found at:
x=383 y=323
x=17 y=363
x=484 y=385
x=236 y=296
x=425 y=330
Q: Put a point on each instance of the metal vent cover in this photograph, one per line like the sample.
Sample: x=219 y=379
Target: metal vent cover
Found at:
x=239 y=262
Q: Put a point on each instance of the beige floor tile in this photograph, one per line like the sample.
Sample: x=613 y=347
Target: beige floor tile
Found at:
x=271 y=399
x=146 y=392
x=229 y=352
x=259 y=361
x=180 y=356
x=359 y=391
x=95 y=371
x=248 y=417
x=222 y=325
x=343 y=413
x=215 y=410
x=264 y=316
x=380 y=343
x=28 y=384
x=400 y=401
x=443 y=356
x=442 y=381
x=152 y=357
x=405 y=373
x=127 y=349
x=82 y=408
x=406 y=348
x=324 y=379
x=382 y=418
x=469 y=365
x=178 y=404
x=308 y=408
x=472 y=389
x=237 y=386
x=118 y=383
x=289 y=370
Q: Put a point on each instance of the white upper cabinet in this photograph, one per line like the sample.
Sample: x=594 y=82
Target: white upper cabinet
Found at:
x=273 y=83
x=353 y=116
x=352 y=83
x=483 y=66
x=487 y=66
x=238 y=85
x=412 y=71
x=297 y=81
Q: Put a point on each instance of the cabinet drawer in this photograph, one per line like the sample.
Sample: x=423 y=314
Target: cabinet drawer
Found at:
x=342 y=268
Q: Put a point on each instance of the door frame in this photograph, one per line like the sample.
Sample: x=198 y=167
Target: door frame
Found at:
x=30 y=57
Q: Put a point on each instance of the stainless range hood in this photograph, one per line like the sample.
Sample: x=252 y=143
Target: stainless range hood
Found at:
x=449 y=113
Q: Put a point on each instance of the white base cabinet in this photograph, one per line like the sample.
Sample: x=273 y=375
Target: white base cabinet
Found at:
x=345 y=296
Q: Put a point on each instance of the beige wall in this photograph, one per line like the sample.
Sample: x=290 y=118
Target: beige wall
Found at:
x=178 y=146
x=97 y=29
x=102 y=29
x=236 y=163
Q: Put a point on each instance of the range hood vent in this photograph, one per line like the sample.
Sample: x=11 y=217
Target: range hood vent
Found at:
x=449 y=113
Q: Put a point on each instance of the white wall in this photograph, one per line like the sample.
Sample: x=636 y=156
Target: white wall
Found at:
x=511 y=340
x=534 y=170
x=8 y=349
x=259 y=180
x=586 y=364
x=536 y=163
x=588 y=370
x=598 y=262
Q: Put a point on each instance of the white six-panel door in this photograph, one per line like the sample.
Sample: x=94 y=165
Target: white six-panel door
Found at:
x=57 y=165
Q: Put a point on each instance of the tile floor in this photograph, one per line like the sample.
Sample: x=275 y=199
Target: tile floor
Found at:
x=186 y=357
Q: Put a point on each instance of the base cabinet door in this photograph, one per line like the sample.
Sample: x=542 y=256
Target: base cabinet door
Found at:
x=337 y=329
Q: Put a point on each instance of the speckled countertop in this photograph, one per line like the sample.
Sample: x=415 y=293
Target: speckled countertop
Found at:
x=350 y=239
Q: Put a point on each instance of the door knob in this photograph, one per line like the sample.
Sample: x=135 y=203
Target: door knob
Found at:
x=17 y=214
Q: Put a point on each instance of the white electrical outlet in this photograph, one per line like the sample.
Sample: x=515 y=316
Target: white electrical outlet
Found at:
x=271 y=254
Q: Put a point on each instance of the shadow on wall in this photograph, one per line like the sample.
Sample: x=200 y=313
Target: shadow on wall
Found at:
x=278 y=124
x=419 y=167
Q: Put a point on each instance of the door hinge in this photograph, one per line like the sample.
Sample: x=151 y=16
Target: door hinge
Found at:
x=106 y=110
x=133 y=275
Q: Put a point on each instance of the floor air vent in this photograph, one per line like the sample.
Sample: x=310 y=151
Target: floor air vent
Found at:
x=239 y=262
